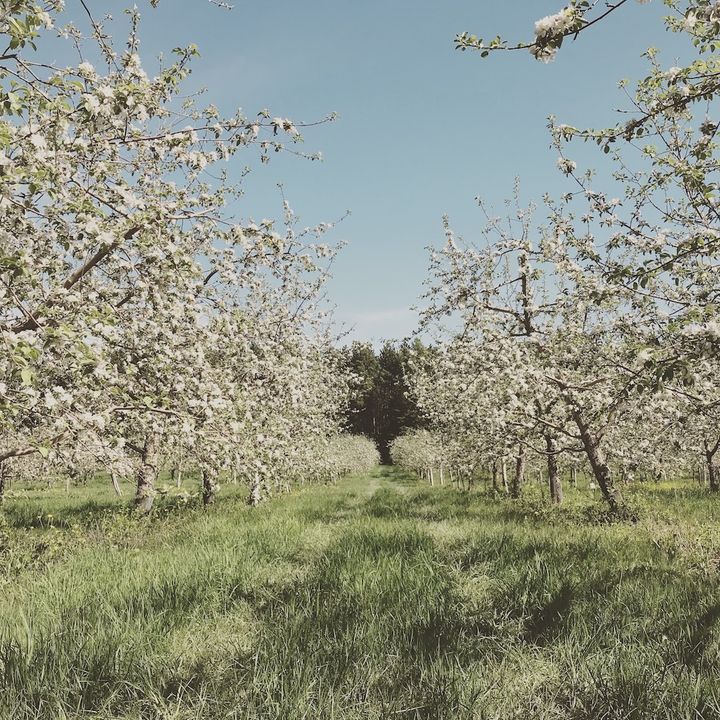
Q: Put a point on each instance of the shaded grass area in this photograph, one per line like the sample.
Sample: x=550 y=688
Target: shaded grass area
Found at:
x=375 y=598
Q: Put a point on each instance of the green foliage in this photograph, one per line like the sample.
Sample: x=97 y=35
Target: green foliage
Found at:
x=381 y=407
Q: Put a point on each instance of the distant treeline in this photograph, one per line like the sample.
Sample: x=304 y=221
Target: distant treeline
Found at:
x=381 y=407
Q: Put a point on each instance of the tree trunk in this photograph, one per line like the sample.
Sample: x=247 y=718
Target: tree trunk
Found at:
x=210 y=484
x=506 y=488
x=624 y=476
x=147 y=472
x=712 y=474
x=712 y=471
x=554 y=482
x=3 y=479
x=254 y=498
x=432 y=477
x=176 y=473
x=573 y=476
x=494 y=472
x=115 y=483
x=598 y=463
x=516 y=487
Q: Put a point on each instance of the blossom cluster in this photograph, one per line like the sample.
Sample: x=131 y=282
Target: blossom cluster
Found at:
x=549 y=32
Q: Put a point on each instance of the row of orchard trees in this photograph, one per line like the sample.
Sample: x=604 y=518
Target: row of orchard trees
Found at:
x=555 y=365
x=593 y=336
x=539 y=368
x=141 y=323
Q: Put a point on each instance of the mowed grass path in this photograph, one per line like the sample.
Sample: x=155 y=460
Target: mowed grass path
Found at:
x=375 y=598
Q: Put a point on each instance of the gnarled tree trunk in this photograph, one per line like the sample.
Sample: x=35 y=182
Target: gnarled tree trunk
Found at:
x=148 y=472
x=712 y=470
x=598 y=463
x=210 y=484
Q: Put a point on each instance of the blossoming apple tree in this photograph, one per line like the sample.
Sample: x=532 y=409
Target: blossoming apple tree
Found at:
x=630 y=321
x=137 y=313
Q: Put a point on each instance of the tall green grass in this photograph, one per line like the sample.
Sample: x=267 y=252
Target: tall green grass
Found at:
x=375 y=598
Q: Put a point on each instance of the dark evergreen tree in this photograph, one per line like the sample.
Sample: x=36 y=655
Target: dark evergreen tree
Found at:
x=382 y=407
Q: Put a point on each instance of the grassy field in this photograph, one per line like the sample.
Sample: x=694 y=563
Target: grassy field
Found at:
x=375 y=598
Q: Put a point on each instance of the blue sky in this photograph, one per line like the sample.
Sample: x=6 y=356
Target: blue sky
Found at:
x=422 y=130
